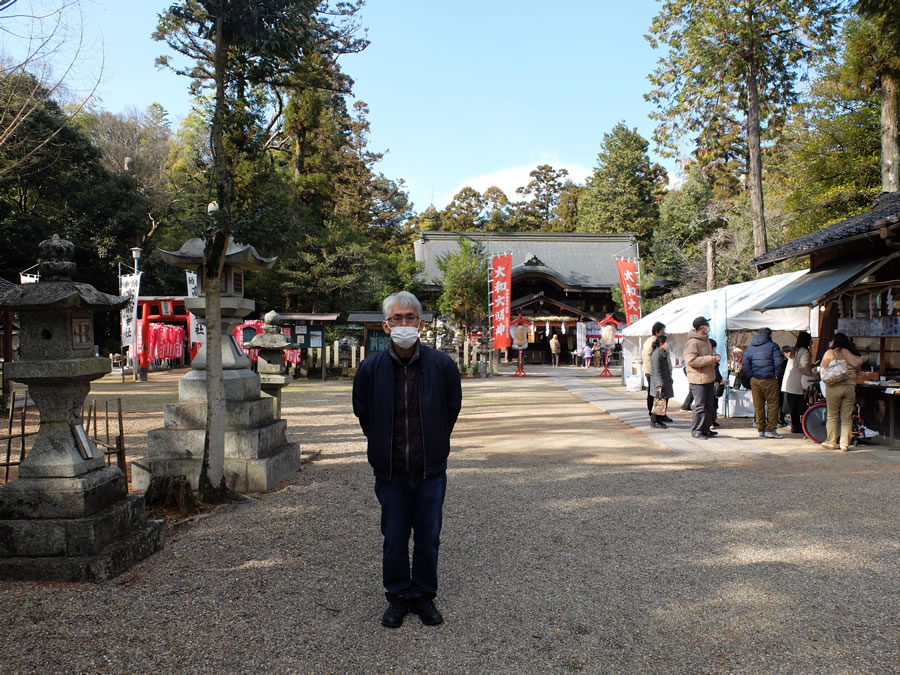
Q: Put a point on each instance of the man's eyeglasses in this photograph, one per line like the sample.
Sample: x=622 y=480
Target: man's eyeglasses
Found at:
x=403 y=319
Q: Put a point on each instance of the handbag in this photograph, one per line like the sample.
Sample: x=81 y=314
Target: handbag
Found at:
x=835 y=372
x=659 y=406
x=720 y=389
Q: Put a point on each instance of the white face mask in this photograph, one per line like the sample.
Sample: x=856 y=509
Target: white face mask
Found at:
x=404 y=336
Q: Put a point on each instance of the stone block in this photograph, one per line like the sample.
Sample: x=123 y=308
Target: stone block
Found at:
x=241 y=474
x=238 y=414
x=261 y=475
x=166 y=444
x=78 y=497
x=71 y=536
x=240 y=385
x=112 y=561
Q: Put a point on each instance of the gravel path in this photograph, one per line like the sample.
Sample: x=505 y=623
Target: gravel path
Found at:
x=571 y=542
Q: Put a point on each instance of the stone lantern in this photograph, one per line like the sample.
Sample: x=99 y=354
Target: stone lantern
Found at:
x=271 y=344
x=257 y=453
x=68 y=516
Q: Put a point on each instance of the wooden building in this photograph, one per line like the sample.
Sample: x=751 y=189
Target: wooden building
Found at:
x=558 y=279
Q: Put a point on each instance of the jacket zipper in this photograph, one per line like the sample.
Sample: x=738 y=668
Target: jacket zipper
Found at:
x=406 y=412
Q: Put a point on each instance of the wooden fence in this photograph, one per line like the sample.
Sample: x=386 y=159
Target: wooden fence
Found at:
x=19 y=424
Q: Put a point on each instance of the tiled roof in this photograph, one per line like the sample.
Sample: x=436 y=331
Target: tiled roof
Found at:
x=585 y=261
x=887 y=204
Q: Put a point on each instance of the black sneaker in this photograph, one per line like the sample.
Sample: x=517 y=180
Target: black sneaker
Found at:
x=666 y=418
x=426 y=610
x=393 y=615
x=715 y=425
x=657 y=425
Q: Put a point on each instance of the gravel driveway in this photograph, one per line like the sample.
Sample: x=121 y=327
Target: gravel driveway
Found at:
x=572 y=542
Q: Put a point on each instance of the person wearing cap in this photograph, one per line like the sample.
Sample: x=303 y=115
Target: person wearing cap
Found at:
x=701 y=361
x=762 y=363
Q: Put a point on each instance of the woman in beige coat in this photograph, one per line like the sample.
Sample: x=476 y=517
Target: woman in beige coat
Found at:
x=841 y=396
x=797 y=377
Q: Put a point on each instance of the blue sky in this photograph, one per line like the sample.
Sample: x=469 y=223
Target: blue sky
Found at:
x=471 y=92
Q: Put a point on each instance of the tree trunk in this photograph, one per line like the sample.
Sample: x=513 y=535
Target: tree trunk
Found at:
x=212 y=486
x=754 y=178
x=710 y=264
x=890 y=134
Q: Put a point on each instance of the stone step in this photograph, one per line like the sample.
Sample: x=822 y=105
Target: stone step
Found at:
x=238 y=414
x=41 y=537
x=241 y=474
x=164 y=444
x=112 y=561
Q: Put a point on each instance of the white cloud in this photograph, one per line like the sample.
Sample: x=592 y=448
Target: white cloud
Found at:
x=511 y=178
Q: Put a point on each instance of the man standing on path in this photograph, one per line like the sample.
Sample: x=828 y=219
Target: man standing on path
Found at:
x=762 y=363
x=647 y=366
x=700 y=361
x=407 y=399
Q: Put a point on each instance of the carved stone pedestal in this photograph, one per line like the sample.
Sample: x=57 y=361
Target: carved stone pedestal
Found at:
x=257 y=453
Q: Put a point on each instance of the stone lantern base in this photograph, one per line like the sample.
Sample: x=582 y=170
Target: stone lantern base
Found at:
x=73 y=529
x=258 y=455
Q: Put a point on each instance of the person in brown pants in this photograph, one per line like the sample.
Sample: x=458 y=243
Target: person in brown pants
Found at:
x=762 y=364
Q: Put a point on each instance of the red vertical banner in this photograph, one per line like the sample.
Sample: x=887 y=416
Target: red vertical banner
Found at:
x=501 y=281
x=631 y=290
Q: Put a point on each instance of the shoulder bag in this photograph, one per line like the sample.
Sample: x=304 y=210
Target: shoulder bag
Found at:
x=836 y=371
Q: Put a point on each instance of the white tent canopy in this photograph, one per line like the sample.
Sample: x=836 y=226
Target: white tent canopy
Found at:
x=678 y=315
x=740 y=322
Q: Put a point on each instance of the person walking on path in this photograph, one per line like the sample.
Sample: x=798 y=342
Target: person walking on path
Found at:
x=840 y=397
x=647 y=363
x=718 y=389
x=762 y=361
x=586 y=354
x=700 y=361
x=555 y=349
x=407 y=399
x=798 y=375
x=661 y=383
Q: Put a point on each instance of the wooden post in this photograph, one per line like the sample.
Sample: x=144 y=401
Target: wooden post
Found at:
x=353 y=359
x=334 y=355
x=710 y=264
x=120 y=445
x=12 y=408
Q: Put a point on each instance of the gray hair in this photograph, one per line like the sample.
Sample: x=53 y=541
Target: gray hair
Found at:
x=401 y=299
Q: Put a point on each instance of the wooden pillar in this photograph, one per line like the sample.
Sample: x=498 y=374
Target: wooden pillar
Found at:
x=710 y=264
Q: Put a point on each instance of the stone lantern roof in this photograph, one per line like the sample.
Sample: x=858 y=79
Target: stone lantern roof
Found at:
x=192 y=255
x=271 y=337
x=56 y=289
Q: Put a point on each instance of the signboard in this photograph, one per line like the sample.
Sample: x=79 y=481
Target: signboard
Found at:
x=129 y=285
x=501 y=281
x=378 y=342
x=631 y=290
x=197 y=330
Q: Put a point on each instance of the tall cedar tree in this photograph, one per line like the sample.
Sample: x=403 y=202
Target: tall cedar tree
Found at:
x=622 y=193
x=872 y=58
x=737 y=58
x=249 y=53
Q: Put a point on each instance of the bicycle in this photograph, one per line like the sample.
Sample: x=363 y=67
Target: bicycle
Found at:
x=814 y=420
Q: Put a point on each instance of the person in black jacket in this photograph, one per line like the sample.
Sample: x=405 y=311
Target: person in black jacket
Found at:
x=407 y=399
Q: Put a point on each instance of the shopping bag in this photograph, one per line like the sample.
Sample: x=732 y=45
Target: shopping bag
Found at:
x=659 y=406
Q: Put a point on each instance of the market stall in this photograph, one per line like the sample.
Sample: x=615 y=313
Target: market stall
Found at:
x=733 y=321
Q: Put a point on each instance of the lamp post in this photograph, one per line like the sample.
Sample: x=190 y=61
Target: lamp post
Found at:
x=136 y=254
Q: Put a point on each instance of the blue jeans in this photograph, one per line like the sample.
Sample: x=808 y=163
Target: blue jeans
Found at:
x=411 y=504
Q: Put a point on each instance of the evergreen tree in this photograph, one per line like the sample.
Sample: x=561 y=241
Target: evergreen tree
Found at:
x=464 y=285
x=738 y=59
x=622 y=193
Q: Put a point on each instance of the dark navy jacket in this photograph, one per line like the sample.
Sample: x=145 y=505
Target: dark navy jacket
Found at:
x=440 y=399
x=762 y=359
